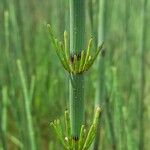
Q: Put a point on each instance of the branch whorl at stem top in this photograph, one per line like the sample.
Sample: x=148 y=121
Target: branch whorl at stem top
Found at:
x=77 y=62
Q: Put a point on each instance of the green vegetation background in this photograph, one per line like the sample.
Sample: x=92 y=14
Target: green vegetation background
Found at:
x=24 y=36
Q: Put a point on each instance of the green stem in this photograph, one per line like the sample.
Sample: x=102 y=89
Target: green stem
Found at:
x=77 y=31
x=4 y=117
x=77 y=25
x=27 y=107
x=77 y=105
x=100 y=89
x=142 y=82
x=101 y=67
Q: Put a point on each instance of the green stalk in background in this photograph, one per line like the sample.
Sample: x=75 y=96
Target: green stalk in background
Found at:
x=118 y=140
x=128 y=131
x=93 y=6
x=27 y=103
x=127 y=52
x=142 y=81
x=20 y=22
x=128 y=79
x=77 y=36
x=101 y=36
x=6 y=24
x=99 y=99
x=4 y=118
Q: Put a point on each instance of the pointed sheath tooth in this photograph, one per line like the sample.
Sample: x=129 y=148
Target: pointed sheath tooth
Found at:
x=66 y=60
x=65 y=49
x=50 y=30
x=57 y=46
x=98 y=50
x=61 y=46
x=92 y=131
x=82 y=60
x=97 y=115
x=78 y=62
x=52 y=37
x=75 y=63
x=66 y=44
x=63 y=59
x=71 y=67
x=60 y=137
x=82 y=137
x=63 y=62
x=90 y=63
x=87 y=53
x=89 y=137
x=59 y=49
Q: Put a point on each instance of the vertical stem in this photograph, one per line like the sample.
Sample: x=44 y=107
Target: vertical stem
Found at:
x=93 y=16
x=117 y=139
x=27 y=107
x=77 y=32
x=77 y=25
x=99 y=99
x=101 y=68
x=4 y=117
x=142 y=84
x=3 y=125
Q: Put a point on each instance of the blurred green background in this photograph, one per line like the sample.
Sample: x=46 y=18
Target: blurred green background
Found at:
x=42 y=90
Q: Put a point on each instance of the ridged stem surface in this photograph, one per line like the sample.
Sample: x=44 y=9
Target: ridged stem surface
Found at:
x=77 y=32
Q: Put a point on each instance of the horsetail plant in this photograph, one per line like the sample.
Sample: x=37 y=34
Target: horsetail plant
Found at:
x=85 y=137
x=75 y=65
x=76 y=61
